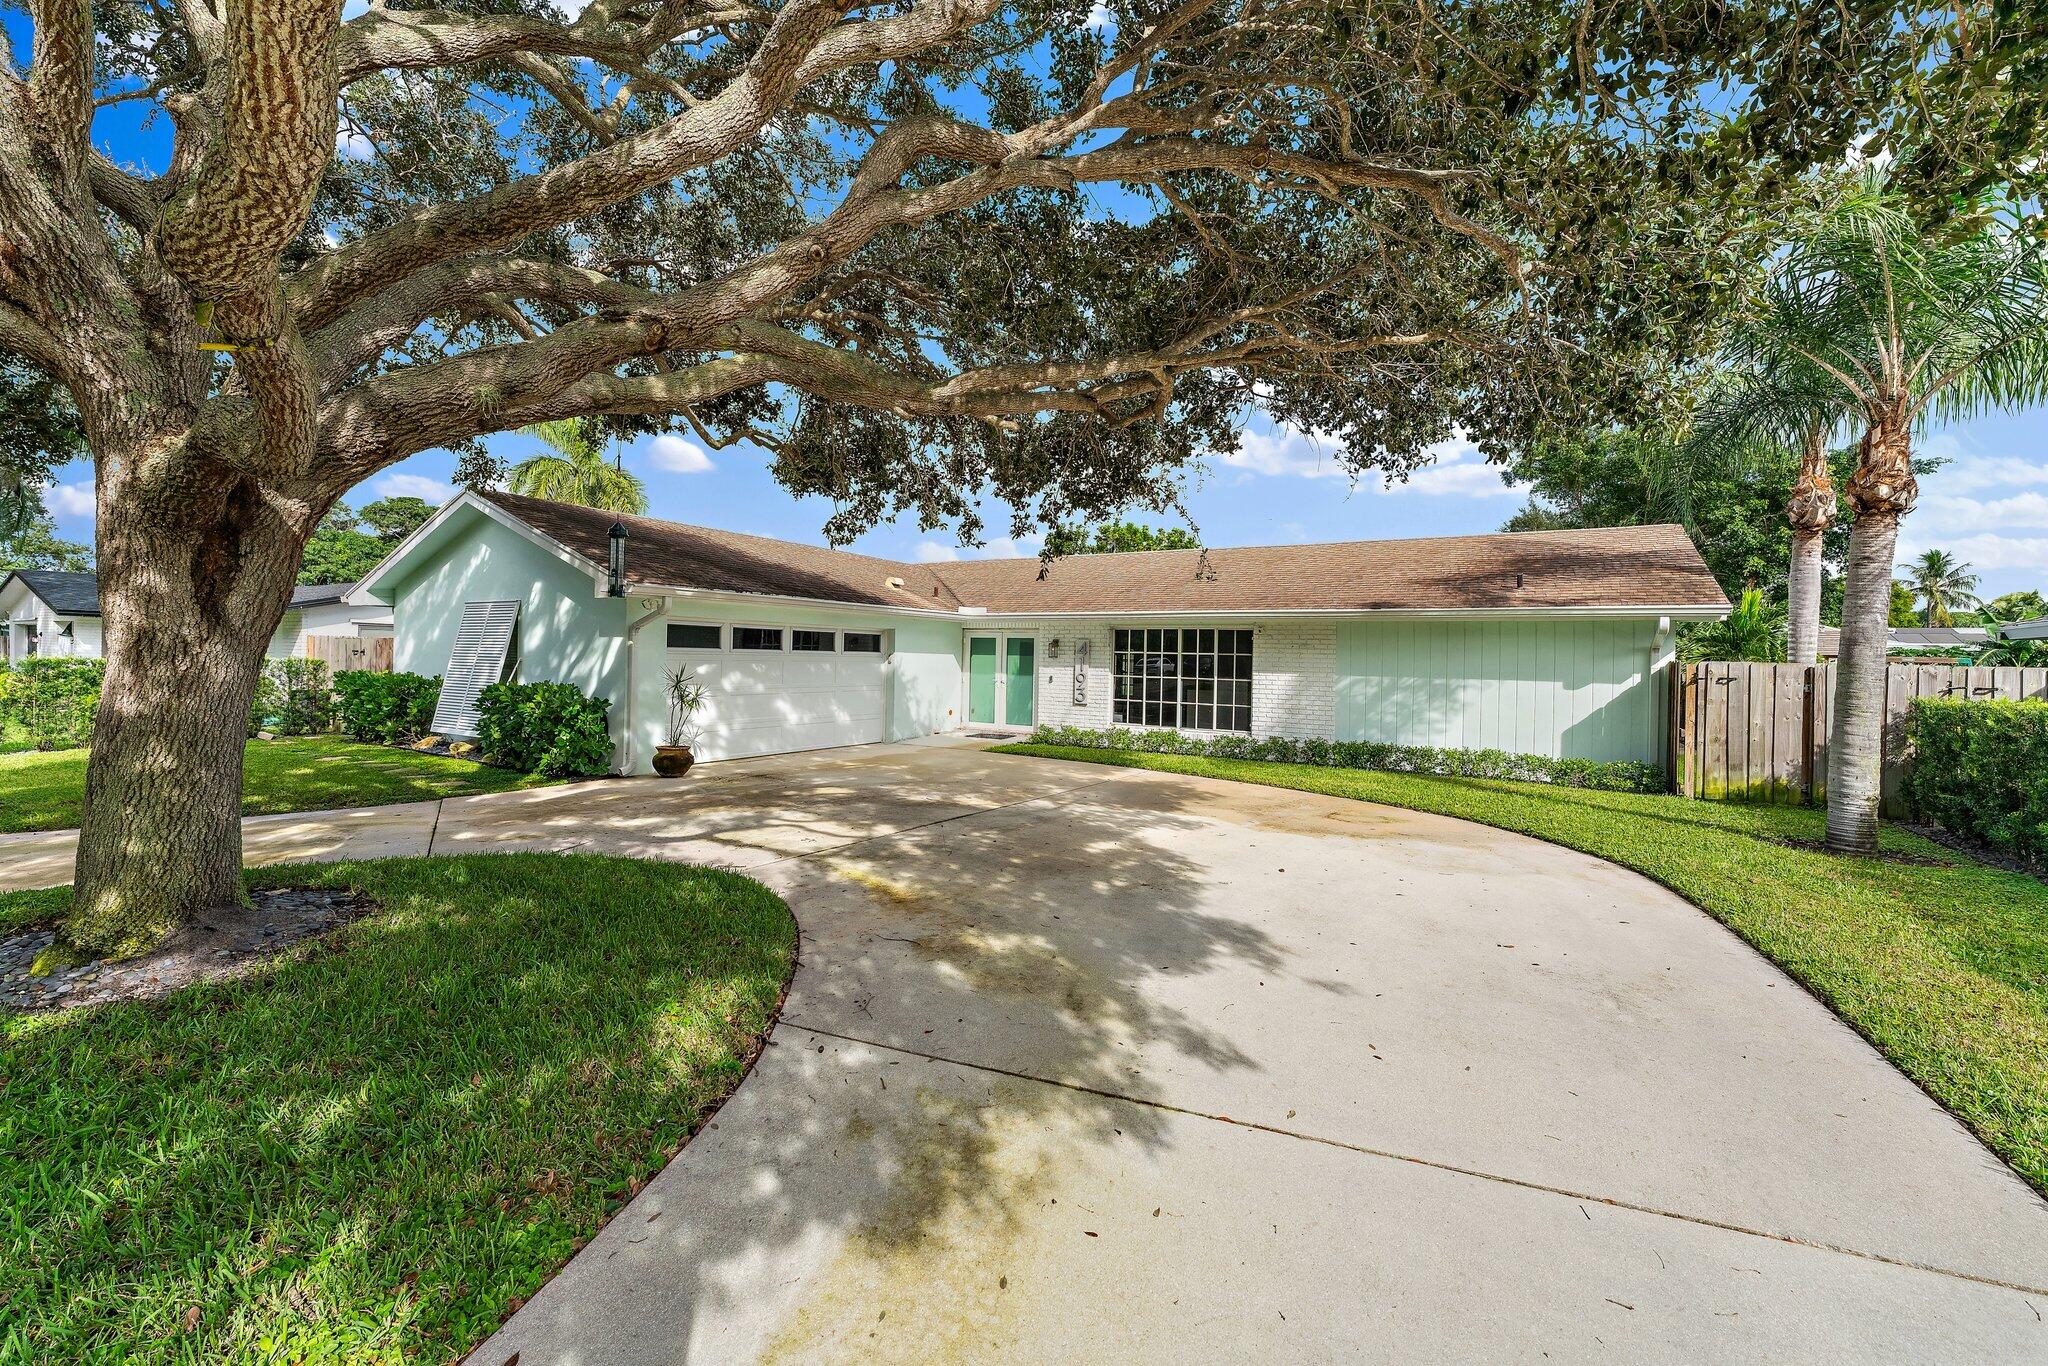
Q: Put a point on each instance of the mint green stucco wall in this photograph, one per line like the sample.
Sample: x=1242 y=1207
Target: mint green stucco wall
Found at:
x=1582 y=689
x=567 y=632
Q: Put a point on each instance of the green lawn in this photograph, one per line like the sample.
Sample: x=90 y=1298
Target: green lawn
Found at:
x=42 y=791
x=1942 y=964
x=373 y=1154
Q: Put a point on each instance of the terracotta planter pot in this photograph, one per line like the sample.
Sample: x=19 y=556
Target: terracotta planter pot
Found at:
x=673 y=761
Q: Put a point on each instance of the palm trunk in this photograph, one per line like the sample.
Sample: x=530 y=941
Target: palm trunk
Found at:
x=187 y=614
x=1811 y=511
x=1882 y=492
x=1802 y=619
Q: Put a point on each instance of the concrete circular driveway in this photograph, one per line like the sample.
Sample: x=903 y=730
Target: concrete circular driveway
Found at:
x=1090 y=1063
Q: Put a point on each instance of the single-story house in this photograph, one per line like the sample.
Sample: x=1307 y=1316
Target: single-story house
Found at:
x=51 y=612
x=1553 y=643
x=57 y=612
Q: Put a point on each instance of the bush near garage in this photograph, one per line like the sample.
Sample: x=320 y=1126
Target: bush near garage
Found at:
x=1370 y=754
x=293 y=697
x=551 y=729
x=385 y=708
x=1980 y=770
x=52 y=701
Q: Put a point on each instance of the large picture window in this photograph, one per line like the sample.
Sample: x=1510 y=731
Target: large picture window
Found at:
x=1185 y=677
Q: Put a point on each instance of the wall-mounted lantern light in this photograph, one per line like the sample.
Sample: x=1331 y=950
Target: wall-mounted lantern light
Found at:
x=617 y=562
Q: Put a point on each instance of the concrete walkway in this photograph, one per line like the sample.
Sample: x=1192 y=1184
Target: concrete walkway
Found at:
x=1089 y=1063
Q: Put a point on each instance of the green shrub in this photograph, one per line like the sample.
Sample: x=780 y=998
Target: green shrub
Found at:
x=52 y=700
x=1282 y=749
x=385 y=709
x=1981 y=769
x=293 y=697
x=547 y=728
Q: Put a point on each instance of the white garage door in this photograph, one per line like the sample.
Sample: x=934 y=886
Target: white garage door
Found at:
x=774 y=689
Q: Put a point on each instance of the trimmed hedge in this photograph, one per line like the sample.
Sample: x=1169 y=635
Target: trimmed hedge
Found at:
x=385 y=709
x=53 y=699
x=1980 y=769
x=547 y=728
x=1282 y=749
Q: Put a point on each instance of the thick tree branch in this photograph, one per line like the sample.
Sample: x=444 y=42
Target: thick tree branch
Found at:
x=60 y=81
x=275 y=135
x=800 y=46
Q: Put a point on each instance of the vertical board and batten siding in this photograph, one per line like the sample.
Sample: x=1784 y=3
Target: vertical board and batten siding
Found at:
x=1759 y=732
x=1575 y=689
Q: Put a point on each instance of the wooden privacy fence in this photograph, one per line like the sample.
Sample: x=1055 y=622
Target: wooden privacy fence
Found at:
x=351 y=652
x=1759 y=732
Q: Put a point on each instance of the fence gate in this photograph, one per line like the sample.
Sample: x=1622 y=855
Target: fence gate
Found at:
x=1752 y=732
x=351 y=652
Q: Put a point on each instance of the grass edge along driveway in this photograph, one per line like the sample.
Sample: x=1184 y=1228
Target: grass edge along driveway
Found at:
x=1939 y=960
x=375 y=1150
x=43 y=790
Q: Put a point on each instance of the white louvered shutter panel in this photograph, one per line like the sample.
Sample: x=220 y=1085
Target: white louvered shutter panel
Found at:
x=477 y=661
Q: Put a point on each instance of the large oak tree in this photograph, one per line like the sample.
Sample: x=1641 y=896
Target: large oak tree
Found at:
x=921 y=250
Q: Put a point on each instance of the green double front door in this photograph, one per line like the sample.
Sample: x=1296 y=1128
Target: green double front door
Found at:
x=1000 y=680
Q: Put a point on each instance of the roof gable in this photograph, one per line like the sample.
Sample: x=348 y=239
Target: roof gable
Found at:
x=66 y=592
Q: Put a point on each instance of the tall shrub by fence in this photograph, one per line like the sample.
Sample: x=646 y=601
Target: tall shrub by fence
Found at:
x=1981 y=770
x=1759 y=732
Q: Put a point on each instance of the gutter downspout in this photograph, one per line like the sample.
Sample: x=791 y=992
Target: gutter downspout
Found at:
x=1661 y=653
x=632 y=635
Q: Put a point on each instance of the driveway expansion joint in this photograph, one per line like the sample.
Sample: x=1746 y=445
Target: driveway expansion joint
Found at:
x=1433 y=1164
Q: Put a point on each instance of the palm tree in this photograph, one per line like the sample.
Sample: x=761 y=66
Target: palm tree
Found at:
x=578 y=472
x=1865 y=314
x=1941 y=582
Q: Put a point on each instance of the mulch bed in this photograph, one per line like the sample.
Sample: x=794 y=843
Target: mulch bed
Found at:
x=229 y=943
x=1983 y=853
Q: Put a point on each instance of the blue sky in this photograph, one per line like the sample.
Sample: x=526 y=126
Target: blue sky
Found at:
x=1988 y=505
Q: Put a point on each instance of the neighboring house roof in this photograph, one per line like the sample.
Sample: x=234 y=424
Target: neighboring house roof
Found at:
x=1937 y=637
x=1912 y=638
x=319 y=594
x=2034 y=628
x=68 y=592
x=76 y=593
x=1649 y=567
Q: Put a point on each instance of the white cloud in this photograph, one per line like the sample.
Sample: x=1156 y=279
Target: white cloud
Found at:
x=1987 y=551
x=1952 y=512
x=1455 y=466
x=413 y=486
x=1100 y=19
x=70 y=500
x=677 y=455
x=1001 y=548
x=1287 y=451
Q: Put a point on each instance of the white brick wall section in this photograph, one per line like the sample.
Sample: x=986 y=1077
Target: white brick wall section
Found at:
x=1294 y=672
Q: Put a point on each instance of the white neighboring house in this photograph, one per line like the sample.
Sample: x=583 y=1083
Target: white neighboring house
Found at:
x=53 y=612
x=1549 y=643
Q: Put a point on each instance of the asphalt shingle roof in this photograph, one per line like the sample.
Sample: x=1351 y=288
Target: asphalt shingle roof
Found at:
x=1618 y=567
x=69 y=592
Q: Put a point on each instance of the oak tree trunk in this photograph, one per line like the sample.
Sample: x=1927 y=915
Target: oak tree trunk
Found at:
x=190 y=593
x=1881 y=491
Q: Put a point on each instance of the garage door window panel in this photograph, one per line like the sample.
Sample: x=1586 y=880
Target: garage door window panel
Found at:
x=757 y=638
x=863 y=642
x=815 y=642
x=690 y=635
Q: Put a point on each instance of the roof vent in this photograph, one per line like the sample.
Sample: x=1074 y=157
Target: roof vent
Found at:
x=893 y=582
